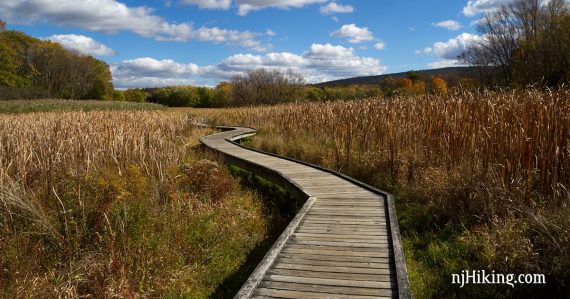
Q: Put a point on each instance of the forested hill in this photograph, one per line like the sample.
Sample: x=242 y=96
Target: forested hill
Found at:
x=447 y=72
x=34 y=68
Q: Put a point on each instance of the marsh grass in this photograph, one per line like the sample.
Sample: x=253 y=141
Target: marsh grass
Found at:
x=481 y=178
x=116 y=204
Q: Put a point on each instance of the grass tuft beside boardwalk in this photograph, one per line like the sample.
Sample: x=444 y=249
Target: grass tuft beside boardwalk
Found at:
x=48 y=105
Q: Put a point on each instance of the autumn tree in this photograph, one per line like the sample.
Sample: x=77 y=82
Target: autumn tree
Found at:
x=439 y=85
x=419 y=87
x=405 y=84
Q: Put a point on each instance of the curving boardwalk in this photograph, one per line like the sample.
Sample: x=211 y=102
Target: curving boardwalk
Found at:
x=343 y=243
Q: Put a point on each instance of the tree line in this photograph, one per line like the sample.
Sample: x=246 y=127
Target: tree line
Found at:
x=34 y=68
x=273 y=86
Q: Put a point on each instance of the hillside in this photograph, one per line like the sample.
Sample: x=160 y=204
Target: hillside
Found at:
x=423 y=74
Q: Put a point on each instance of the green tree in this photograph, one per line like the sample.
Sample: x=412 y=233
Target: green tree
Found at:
x=118 y=95
x=135 y=95
x=28 y=64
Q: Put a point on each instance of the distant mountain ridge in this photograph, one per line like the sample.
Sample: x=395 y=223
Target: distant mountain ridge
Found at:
x=424 y=74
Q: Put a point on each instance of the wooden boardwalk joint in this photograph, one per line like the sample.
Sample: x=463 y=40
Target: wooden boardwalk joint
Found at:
x=343 y=243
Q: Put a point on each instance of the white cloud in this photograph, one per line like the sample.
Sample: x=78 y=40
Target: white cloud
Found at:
x=141 y=82
x=150 y=67
x=247 y=6
x=426 y=50
x=475 y=7
x=209 y=4
x=335 y=19
x=334 y=7
x=449 y=25
x=321 y=62
x=111 y=16
x=340 y=62
x=270 y=33
x=82 y=44
x=354 y=33
x=447 y=51
x=453 y=47
x=380 y=45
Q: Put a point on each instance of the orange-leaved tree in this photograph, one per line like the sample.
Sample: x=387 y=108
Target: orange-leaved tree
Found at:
x=439 y=85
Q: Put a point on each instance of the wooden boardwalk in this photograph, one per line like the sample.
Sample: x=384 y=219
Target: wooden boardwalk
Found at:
x=343 y=243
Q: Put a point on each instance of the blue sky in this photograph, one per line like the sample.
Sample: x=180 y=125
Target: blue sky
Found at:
x=201 y=42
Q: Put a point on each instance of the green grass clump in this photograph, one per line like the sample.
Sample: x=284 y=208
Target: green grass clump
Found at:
x=47 y=105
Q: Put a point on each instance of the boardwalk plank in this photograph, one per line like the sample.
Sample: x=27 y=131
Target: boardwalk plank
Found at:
x=339 y=258
x=331 y=282
x=306 y=295
x=299 y=261
x=325 y=289
x=330 y=275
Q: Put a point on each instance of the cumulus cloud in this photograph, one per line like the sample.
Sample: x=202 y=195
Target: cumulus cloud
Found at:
x=380 y=45
x=247 y=6
x=339 y=62
x=82 y=44
x=111 y=16
x=447 y=51
x=475 y=7
x=453 y=47
x=149 y=72
x=334 y=7
x=354 y=33
x=449 y=25
x=150 y=67
x=320 y=62
x=209 y=4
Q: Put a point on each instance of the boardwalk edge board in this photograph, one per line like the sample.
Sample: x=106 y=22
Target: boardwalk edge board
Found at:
x=403 y=285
